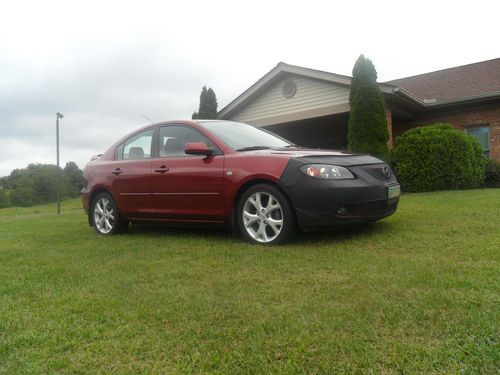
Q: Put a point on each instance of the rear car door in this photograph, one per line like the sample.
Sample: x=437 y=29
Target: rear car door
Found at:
x=131 y=175
x=187 y=187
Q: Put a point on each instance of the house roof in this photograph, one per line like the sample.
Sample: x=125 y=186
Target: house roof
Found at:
x=454 y=83
x=283 y=68
x=463 y=84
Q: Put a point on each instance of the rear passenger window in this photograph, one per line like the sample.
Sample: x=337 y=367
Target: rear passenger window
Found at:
x=138 y=147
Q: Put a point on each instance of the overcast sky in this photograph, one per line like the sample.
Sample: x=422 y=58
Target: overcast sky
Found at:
x=105 y=64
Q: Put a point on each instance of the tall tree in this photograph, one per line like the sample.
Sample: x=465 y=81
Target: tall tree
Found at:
x=208 y=105
x=367 y=132
x=73 y=175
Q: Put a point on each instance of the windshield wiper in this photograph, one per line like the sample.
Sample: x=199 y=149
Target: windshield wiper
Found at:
x=251 y=148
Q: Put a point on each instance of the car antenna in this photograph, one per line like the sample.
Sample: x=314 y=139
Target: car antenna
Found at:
x=147 y=118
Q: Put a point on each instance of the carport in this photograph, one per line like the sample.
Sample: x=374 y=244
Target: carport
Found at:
x=320 y=132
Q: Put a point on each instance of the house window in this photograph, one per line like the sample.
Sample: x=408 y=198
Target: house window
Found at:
x=482 y=135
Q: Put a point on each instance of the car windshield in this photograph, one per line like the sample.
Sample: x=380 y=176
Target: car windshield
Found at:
x=243 y=137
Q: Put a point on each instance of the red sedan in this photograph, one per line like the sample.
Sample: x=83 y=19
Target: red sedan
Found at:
x=234 y=175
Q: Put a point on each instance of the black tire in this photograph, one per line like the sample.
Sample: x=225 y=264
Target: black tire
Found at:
x=105 y=217
x=265 y=216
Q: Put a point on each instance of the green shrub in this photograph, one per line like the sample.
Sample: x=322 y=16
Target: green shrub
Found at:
x=438 y=157
x=492 y=174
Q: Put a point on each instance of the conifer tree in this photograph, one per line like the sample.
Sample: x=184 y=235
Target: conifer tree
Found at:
x=367 y=131
x=208 y=105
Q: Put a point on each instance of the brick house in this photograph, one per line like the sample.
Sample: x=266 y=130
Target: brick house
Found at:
x=311 y=107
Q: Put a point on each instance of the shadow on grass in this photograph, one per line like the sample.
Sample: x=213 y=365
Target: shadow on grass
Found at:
x=224 y=235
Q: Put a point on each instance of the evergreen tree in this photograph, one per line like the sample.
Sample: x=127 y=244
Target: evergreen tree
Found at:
x=367 y=132
x=208 y=105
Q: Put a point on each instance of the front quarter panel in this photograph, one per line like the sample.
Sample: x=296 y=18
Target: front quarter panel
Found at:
x=241 y=168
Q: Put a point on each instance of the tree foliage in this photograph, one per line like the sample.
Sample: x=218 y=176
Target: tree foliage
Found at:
x=73 y=177
x=4 y=198
x=367 y=131
x=438 y=157
x=208 y=105
x=37 y=184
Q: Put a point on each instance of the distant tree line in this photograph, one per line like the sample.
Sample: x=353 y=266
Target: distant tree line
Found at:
x=37 y=184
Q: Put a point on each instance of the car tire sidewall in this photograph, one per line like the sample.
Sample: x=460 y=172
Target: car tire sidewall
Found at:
x=289 y=223
x=120 y=225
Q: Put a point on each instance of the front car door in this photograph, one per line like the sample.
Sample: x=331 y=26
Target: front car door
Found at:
x=187 y=188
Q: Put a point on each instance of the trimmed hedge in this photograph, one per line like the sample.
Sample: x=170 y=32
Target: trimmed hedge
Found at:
x=438 y=157
x=492 y=177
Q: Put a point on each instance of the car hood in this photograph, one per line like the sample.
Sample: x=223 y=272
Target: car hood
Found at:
x=306 y=155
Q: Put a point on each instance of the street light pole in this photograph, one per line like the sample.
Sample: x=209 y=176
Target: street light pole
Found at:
x=58 y=116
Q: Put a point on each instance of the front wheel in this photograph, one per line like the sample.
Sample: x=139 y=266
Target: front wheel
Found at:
x=105 y=216
x=265 y=216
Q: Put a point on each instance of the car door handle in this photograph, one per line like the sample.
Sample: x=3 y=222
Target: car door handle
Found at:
x=117 y=171
x=162 y=169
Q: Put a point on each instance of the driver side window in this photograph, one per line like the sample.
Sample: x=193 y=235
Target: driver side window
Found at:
x=173 y=138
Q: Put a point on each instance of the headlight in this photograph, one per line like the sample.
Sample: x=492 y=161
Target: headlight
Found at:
x=327 y=171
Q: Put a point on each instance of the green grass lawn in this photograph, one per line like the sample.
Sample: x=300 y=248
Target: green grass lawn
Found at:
x=415 y=293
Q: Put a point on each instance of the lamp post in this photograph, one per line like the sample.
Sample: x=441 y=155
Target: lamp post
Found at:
x=58 y=116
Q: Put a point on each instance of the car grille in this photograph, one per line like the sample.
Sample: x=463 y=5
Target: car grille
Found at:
x=381 y=171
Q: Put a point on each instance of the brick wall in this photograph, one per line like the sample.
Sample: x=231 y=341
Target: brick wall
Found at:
x=460 y=118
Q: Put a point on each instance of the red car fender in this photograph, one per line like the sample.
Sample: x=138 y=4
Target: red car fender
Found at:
x=241 y=170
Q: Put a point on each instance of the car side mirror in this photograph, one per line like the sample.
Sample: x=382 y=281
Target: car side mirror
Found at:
x=197 y=148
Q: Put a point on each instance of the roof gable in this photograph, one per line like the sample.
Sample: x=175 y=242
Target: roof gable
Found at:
x=282 y=69
x=309 y=95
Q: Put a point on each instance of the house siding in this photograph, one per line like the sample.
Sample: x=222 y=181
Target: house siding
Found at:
x=311 y=95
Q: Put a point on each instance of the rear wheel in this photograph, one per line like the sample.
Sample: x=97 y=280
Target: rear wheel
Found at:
x=105 y=216
x=265 y=216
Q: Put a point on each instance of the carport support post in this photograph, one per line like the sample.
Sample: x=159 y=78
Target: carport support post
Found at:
x=388 y=115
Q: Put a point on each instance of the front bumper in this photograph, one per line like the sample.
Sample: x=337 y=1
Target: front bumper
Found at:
x=346 y=215
x=325 y=204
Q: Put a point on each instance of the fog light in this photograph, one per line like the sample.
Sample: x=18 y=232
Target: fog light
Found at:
x=341 y=211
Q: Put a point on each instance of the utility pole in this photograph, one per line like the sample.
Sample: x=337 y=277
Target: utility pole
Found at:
x=58 y=116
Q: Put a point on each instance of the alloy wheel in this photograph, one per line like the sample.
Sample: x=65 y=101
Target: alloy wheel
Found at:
x=262 y=217
x=104 y=215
